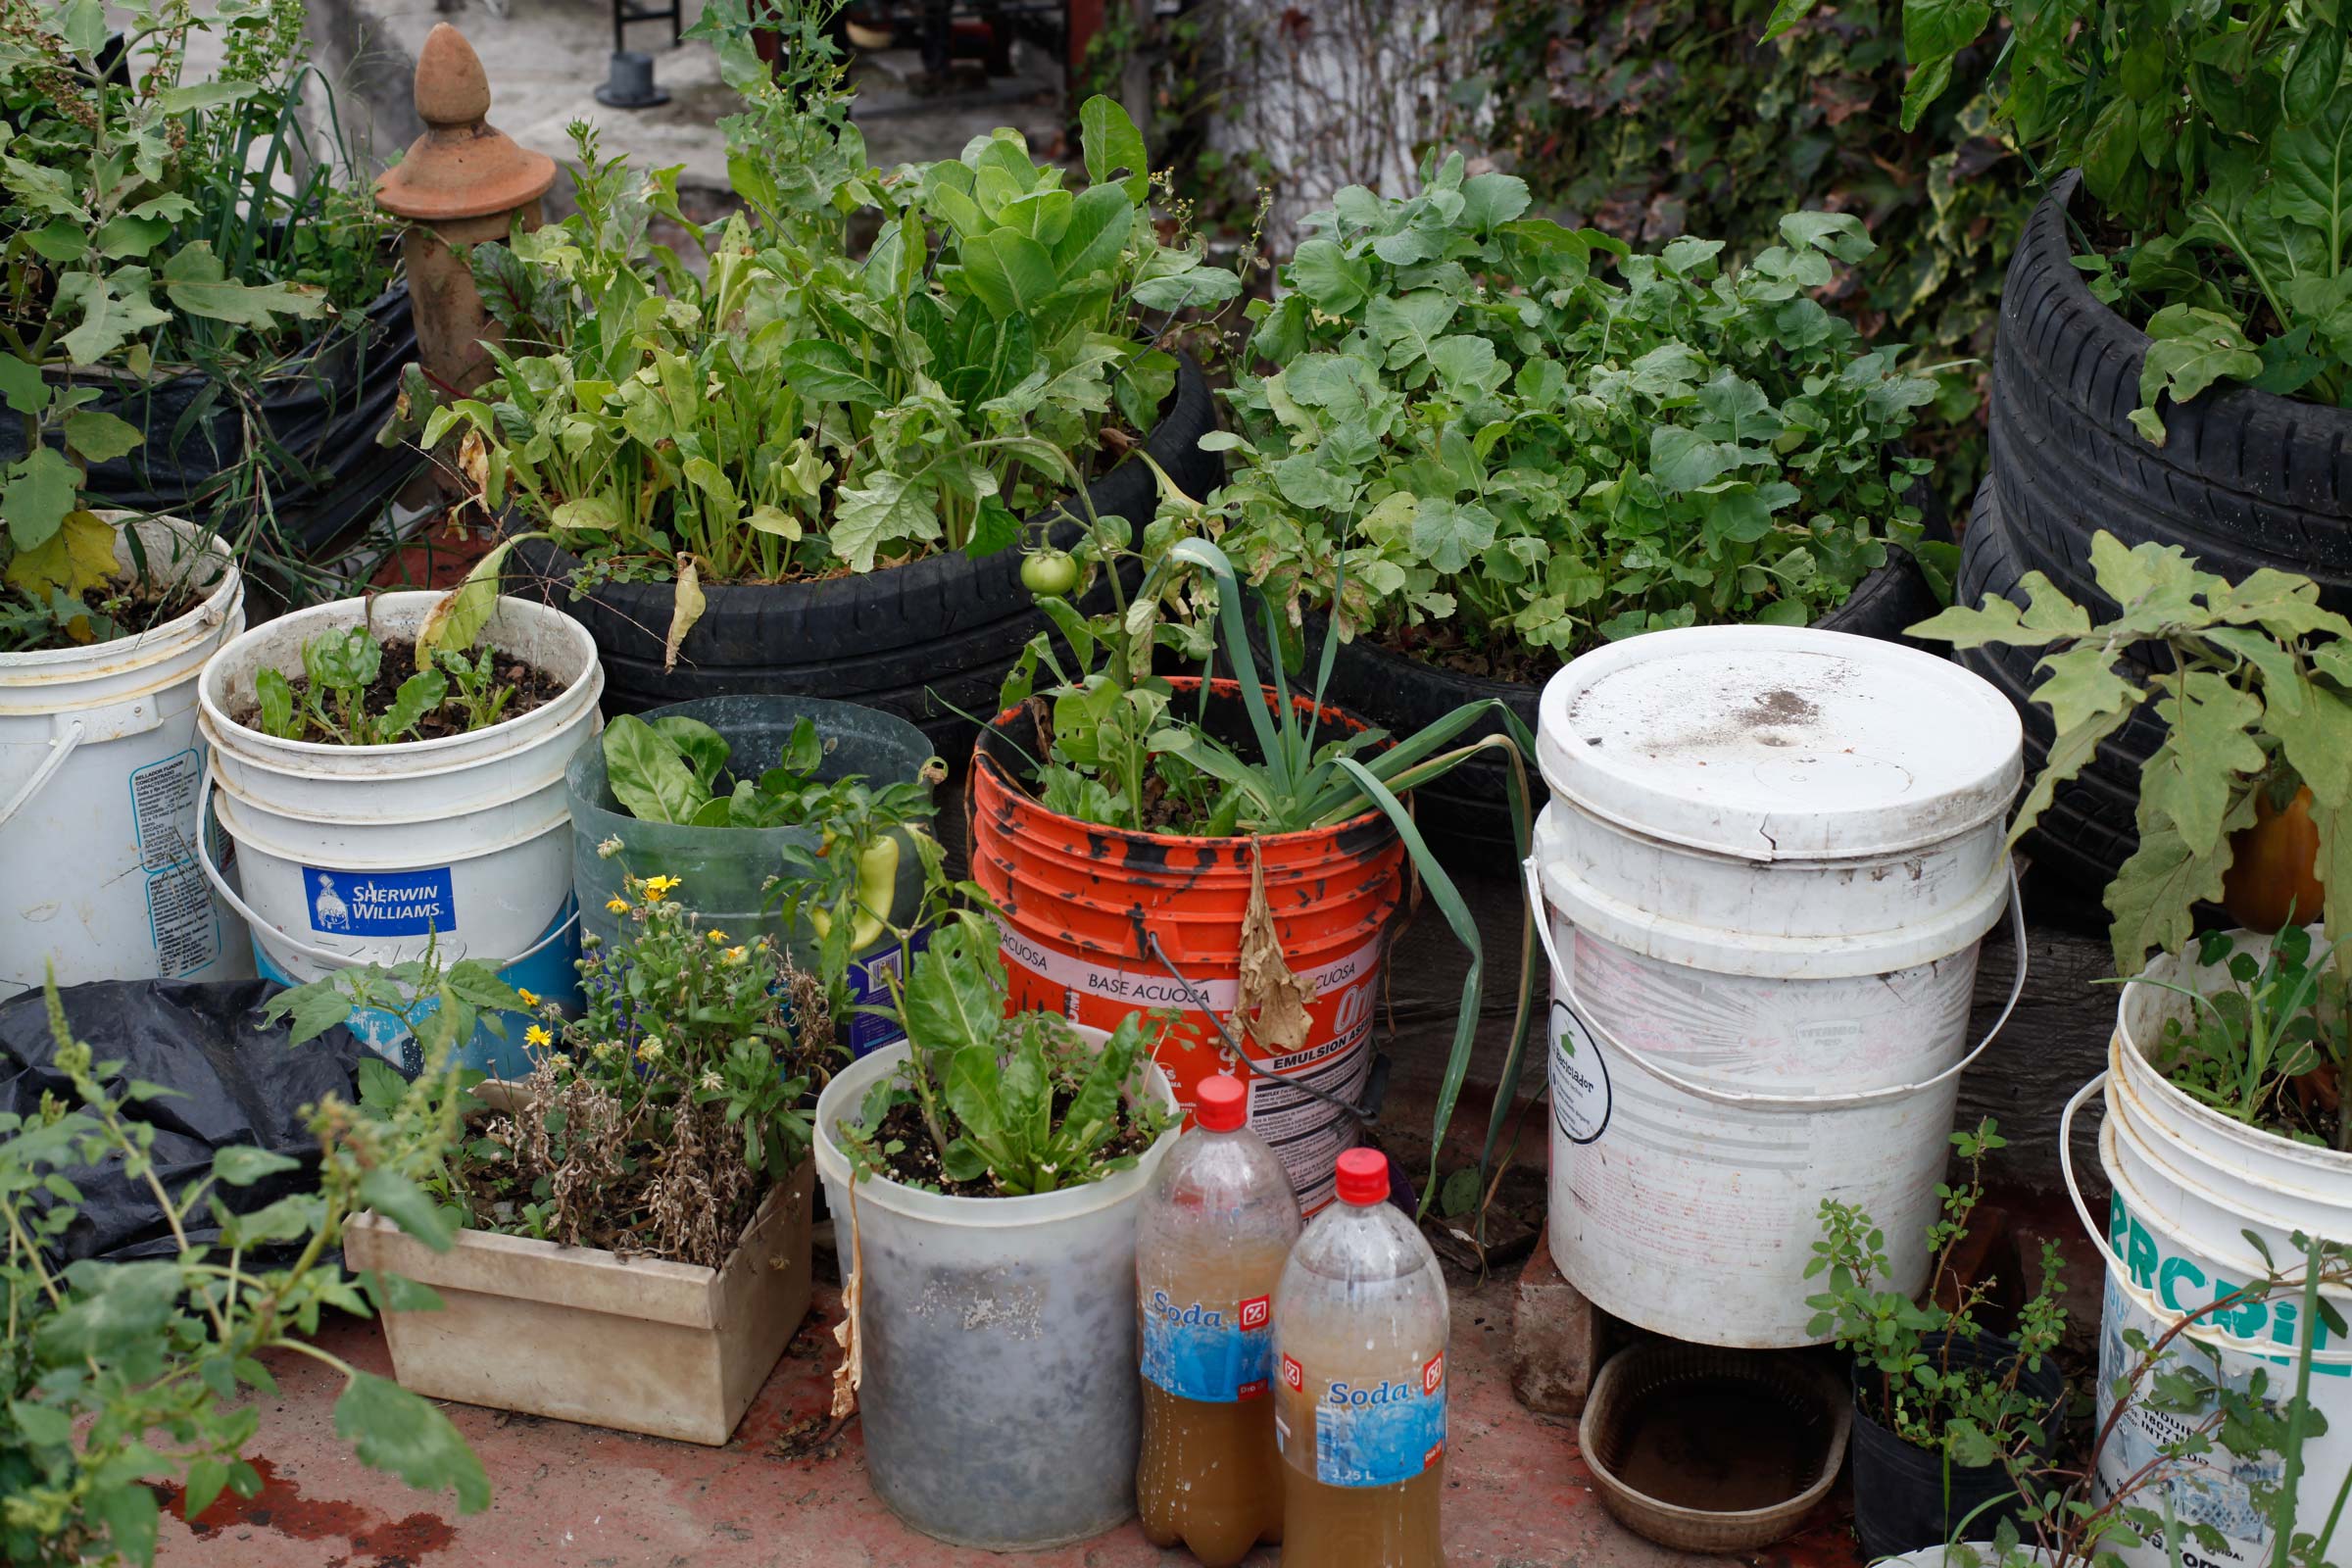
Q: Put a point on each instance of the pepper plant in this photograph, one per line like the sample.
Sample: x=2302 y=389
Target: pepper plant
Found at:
x=113 y=1374
x=2215 y=141
x=2255 y=687
x=1504 y=452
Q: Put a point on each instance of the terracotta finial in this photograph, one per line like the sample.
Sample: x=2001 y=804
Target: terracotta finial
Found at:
x=461 y=166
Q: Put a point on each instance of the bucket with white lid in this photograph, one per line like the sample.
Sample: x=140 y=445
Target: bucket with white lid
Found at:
x=1770 y=857
x=99 y=766
x=2187 y=1184
x=354 y=854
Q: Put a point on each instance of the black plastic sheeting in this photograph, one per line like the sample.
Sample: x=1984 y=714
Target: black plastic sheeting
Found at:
x=237 y=1082
x=322 y=408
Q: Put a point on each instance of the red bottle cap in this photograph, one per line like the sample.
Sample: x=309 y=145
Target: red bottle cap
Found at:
x=1222 y=1103
x=1363 y=1177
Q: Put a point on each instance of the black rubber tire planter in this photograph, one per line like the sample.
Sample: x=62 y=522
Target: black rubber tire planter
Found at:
x=920 y=640
x=323 y=408
x=2243 y=481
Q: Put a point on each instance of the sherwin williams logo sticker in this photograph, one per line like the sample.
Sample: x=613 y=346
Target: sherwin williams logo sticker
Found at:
x=380 y=904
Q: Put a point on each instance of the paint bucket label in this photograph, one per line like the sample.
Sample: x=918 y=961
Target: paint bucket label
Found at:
x=870 y=987
x=2217 y=1488
x=1218 y=1354
x=1308 y=1134
x=380 y=904
x=183 y=923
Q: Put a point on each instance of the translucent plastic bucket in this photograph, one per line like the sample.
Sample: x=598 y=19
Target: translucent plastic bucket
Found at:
x=1769 y=858
x=99 y=767
x=1000 y=1405
x=725 y=869
x=1099 y=922
x=369 y=854
x=2189 y=1183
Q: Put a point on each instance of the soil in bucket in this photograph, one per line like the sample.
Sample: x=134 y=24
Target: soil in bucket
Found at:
x=1094 y=916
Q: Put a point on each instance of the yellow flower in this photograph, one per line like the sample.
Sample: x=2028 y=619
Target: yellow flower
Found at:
x=530 y=998
x=607 y=1050
x=735 y=955
x=718 y=938
x=657 y=887
x=618 y=905
x=651 y=1050
x=537 y=1035
x=561 y=1062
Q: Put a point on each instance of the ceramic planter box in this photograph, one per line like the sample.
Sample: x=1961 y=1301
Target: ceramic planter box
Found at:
x=668 y=1350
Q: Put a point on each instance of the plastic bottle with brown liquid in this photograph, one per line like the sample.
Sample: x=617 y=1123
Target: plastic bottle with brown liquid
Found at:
x=1360 y=1320
x=1210 y=1245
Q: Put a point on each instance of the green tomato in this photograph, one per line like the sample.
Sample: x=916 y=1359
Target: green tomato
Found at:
x=1048 y=573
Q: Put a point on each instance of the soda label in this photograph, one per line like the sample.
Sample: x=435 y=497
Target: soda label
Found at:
x=1377 y=1433
x=1218 y=1354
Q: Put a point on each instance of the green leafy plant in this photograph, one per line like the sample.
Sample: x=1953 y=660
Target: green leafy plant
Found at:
x=149 y=221
x=2258 y=698
x=1509 y=458
x=784 y=411
x=996 y=1106
x=1923 y=1393
x=336 y=701
x=2217 y=143
x=1617 y=114
x=113 y=1374
x=674 y=769
x=2272 y=1046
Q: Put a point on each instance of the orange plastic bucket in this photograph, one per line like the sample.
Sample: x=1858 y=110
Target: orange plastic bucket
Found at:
x=1082 y=902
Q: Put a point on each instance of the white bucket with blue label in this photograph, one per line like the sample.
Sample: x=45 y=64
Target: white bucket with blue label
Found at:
x=2192 y=1188
x=353 y=855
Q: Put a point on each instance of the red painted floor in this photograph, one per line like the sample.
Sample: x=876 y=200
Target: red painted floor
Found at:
x=570 y=1496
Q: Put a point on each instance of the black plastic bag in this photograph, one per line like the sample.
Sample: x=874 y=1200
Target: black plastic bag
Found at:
x=237 y=1082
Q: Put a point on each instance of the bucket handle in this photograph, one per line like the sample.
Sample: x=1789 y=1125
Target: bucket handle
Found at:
x=255 y=921
x=2119 y=1274
x=61 y=747
x=1744 y=1100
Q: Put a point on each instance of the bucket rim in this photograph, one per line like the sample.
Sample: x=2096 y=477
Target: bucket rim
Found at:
x=1721 y=950
x=61 y=666
x=2204 y=1332
x=2130 y=1060
x=999 y=777
x=230 y=735
x=976 y=1213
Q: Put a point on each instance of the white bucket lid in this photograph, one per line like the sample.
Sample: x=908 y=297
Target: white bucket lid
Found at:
x=1771 y=743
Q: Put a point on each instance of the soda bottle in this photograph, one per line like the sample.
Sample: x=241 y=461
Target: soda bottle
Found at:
x=1359 y=1334
x=1210 y=1245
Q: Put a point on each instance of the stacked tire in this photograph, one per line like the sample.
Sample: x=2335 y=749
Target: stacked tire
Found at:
x=2244 y=480
x=929 y=640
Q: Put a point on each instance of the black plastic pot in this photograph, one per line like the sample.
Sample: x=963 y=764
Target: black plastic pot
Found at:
x=1467 y=814
x=321 y=409
x=921 y=641
x=1907 y=1498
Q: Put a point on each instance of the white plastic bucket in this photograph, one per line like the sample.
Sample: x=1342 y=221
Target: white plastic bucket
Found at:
x=2187 y=1183
x=999 y=1405
x=368 y=854
x=99 y=770
x=1769 y=859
